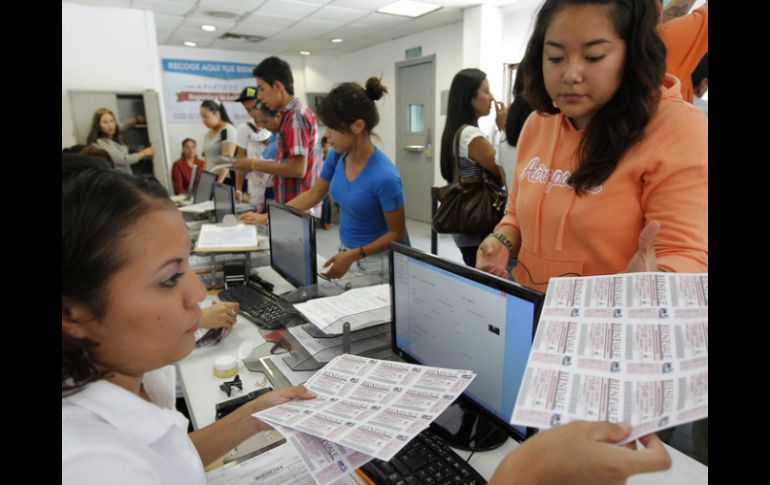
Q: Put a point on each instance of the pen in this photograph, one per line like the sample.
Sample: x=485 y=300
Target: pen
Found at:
x=363 y=476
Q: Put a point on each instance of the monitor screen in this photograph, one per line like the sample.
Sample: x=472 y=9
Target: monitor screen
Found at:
x=193 y=176
x=292 y=244
x=205 y=187
x=446 y=314
x=224 y=201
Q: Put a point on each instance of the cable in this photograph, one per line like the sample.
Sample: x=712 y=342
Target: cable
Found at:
x=540 y=282
x=476 y=448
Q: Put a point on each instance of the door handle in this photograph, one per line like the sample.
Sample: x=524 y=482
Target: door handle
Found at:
x=414 y=148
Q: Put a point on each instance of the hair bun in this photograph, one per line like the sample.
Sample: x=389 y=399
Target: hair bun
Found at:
x=374 y=89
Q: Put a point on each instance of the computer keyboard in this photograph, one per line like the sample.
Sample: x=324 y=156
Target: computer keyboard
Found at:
x=261 y=306
x=425 y=460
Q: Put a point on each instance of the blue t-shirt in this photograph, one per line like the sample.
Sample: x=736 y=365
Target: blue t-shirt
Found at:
x=270 y=148
x=364 y=201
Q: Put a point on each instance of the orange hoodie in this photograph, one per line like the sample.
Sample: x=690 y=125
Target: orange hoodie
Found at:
x=687 y=40
x=664 y=176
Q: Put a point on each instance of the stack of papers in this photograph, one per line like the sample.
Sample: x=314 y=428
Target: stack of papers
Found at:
x=365 y=408
x=362 y=307
x=622 y=348
x=199 y=208
x=218 y=237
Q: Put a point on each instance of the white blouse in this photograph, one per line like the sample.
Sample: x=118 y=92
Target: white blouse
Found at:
x=110 y=435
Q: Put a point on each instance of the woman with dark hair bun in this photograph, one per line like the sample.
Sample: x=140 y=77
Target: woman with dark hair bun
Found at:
x=361 y=179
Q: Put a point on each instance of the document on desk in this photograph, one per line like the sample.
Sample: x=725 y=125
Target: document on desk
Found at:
x=217 y=236
x=279 y=466
x=199 y=208
x=629 y=347
x=370 y=405
x=325 y=461
x=325 y=349
x=362 y=307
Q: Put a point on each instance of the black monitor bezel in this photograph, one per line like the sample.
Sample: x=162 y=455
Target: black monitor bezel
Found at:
x=272 y=205
x=193 y=185
x=231 y=200
x=480 y=277
x=195 y=196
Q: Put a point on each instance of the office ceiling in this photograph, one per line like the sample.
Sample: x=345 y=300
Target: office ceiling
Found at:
x=289 y=26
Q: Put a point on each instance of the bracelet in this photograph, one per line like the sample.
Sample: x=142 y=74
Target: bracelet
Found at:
x=361 y=252
x=252 y=165
x=504 y=240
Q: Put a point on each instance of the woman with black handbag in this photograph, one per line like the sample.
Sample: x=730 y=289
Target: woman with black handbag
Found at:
x=469 y=100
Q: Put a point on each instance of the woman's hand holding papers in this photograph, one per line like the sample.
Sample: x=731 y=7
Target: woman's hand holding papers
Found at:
x=581 y=452
x=645 y=259
x=276 y=397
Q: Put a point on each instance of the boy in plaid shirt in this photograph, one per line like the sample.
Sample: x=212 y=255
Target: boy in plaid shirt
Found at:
x=298 y=154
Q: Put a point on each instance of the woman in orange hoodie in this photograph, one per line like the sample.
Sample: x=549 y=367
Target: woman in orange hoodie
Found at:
x=611 y=170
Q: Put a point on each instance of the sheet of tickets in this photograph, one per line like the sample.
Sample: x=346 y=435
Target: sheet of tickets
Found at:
x=630 y=347
x=372 y=406
x=278 y=466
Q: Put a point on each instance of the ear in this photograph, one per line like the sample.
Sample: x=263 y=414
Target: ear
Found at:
x=76 y=319
x=358 y=126
x=278 y=86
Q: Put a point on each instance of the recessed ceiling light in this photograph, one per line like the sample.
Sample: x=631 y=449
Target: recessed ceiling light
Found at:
x=208 y=28
x=190 y=44
x=408 y=8
x=337 y=40
x=305 y=53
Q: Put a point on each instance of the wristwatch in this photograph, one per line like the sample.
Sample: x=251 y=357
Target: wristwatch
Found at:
x=504 y=240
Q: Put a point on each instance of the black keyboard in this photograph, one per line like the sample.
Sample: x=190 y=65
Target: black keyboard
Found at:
x=425 y=460
x=262 y=307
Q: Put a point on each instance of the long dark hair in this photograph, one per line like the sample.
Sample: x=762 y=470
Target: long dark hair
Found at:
x=99 y=209
x=465 y=86
x=216 y=106
x=97 y=132
x=518 y=112
x=349 y=102
x=621 y=122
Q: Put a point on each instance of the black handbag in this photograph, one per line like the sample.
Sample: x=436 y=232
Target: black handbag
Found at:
x=469 y=205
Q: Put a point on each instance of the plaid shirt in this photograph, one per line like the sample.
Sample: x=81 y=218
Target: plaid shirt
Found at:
x=298 y=135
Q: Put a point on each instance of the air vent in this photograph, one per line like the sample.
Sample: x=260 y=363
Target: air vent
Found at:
x=218 y=14
x=242 y=37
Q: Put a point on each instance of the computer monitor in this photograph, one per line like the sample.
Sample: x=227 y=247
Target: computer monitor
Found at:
x=193 y=176
x=292 y=244
x=205 y=187
x=446 y=314
x=224 y=201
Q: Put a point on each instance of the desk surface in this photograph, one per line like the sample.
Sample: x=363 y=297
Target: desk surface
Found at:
x=201 y=391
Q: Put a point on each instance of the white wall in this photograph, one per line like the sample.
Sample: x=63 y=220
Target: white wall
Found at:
x=517 y=28
x=106 y=49
x=482 y=34
x=445 y=42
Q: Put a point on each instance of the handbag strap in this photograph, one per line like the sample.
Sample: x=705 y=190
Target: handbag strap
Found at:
x=456 y=153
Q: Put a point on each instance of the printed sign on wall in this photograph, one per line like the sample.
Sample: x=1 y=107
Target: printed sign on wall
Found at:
x=187 y=83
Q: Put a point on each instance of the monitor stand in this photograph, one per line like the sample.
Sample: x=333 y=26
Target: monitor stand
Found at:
x=305 y=293
x=464 y=428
